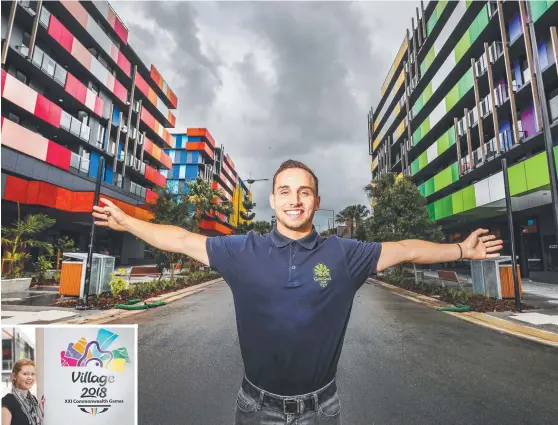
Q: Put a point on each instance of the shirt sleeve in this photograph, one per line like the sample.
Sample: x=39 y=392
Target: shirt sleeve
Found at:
x=362 y=258
x=8 y=402
x=223 y=253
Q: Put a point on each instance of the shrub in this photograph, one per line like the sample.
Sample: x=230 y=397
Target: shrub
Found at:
x=42 y=266
x=117 y=283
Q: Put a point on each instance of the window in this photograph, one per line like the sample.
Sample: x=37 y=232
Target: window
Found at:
x=26 y=40
x=13 y=117
x=21 y=76
x=94 y=88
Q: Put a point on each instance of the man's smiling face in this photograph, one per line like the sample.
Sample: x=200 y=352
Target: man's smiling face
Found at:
x=294 y=200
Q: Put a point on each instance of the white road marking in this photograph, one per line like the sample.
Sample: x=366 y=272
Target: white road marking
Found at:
x=536 y=318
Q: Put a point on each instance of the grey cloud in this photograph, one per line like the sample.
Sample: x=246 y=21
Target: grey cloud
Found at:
x=329 y=60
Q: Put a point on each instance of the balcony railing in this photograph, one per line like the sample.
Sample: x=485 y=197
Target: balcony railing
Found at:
x=49 y=66
x=75 y=126
x=79 y=163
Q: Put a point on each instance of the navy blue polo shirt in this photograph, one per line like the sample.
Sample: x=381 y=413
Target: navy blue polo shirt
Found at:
x=293 y=300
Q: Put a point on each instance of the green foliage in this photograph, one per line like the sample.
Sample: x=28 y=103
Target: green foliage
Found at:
x=22 y=236
x=248 y=206
x=260 y=227
x=65 y=244
x=42 y=266
x=117 y=283
x=399 y=212
x=353 y=217
x=206 y=201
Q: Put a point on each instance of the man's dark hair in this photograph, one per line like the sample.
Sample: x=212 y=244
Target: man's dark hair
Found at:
x=291 y=163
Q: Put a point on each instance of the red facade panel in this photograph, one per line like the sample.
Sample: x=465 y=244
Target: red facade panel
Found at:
x=99 y=106
x=33 y=190
x=47 y=111
x=121 y=31
x=4 y=73
x=60 y=33
x=124 y=63
x=120 y=91
x=15 y=189
x=150 y=196
x=58 y=155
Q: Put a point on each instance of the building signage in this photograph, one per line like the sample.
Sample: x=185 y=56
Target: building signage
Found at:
x=90 y=375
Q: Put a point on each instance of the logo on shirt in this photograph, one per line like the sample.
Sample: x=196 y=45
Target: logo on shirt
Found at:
x=321 y=275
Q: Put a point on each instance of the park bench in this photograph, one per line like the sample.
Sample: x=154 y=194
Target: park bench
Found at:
x=451 y=276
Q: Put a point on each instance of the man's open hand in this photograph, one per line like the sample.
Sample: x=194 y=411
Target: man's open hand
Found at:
x=480 y=246
x=109 y=215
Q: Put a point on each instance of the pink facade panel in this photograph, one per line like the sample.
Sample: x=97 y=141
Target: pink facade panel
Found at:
x=20 y=94
x=77 y=11
x=99 y=106
x=124 y=64
x=81 y=54
x=48 y=111
x=90 y=99
x=23 y=140
x=121 y=30
x=119 y=91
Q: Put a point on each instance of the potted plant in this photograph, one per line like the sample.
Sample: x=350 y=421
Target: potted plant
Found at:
x=17 y=240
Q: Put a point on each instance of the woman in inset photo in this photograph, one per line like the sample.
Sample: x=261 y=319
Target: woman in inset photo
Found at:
x=20 y=407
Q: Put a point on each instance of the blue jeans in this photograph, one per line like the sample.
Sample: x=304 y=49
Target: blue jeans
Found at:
x=255 y=406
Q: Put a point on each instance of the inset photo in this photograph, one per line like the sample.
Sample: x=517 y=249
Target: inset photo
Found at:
x=63 y=374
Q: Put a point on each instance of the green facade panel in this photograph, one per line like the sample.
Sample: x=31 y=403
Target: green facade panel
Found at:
x=536 y=171
x=517 y=179
x=457 y=201
x=539 y=7
x=442 y=144
x=469 y=200
x=462 y=46
x=454 y=172
x=423 y=160
x=430 y=188
x=451 y=135
x=431 y=213
x=427 y=93
x=465 y=83
x=451 y=98
x=414 y=166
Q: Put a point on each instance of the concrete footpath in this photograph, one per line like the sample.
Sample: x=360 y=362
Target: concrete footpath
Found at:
x=44 y=315
x=536 y=325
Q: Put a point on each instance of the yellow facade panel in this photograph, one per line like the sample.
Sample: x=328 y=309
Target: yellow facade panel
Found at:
x=396 y=62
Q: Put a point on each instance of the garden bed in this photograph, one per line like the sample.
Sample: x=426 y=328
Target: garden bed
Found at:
x=454 y=296
x=141 y=290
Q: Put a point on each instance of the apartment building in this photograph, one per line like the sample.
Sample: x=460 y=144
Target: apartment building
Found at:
x=461 y=95
x=75 y=91
x=16 y=345
x=196 y=155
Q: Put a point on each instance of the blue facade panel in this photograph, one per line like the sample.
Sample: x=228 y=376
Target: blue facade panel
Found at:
x=175 y=171
x=191 y=171
x=94 y=164
x=115 y=116
x=108 y=174
x=514 y=27
x=195 y=157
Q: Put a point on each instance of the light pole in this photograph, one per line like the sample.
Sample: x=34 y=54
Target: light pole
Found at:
x=332 y=217
x=250 y=181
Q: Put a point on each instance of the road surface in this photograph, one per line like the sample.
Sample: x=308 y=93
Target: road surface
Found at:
x=402 y=363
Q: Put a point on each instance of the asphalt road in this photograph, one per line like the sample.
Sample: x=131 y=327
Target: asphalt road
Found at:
x=402 y=363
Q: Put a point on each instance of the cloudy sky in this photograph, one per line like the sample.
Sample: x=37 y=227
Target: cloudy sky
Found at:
x=277 y=80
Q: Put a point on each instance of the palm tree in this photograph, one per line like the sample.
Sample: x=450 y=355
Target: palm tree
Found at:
x=352 y=216
x=206 y=201
x=20 y=236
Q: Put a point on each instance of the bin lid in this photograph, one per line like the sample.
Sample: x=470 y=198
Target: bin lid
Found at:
x=83 y=255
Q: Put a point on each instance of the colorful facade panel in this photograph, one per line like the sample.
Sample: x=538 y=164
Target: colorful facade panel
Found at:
x=162 y=84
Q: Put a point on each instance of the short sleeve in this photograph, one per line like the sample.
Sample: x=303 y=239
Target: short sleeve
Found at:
x=362 y=258
x=223 y=252
x=8 y=402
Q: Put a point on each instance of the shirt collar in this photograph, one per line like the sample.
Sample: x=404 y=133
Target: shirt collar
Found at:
x=308 y=241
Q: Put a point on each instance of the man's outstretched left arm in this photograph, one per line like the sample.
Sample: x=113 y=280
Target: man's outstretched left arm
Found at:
x=478 y=246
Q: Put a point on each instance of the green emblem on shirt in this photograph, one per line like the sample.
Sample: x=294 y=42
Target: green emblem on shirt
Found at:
x=321 y=275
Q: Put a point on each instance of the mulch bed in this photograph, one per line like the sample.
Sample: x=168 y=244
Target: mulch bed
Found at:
x=478 y=303
x=106 y=301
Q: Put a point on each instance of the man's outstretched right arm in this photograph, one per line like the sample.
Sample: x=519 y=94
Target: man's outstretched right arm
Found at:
x=161 y=236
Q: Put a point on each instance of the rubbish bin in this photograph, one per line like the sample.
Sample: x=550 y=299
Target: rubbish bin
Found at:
x=493 y=277
x=72 y=277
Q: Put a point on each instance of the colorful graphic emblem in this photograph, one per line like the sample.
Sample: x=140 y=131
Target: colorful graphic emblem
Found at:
x=321 y=275
x=96 y=352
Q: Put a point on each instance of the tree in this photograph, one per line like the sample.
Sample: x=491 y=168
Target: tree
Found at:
x=22 y=236
x=262 y=227
x=400 y=212
x=353 y=216
x=206 y=201
x=172 y=210
x=62 y=245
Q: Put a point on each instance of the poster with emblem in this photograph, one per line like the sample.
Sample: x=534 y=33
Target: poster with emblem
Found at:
x=90 y=374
